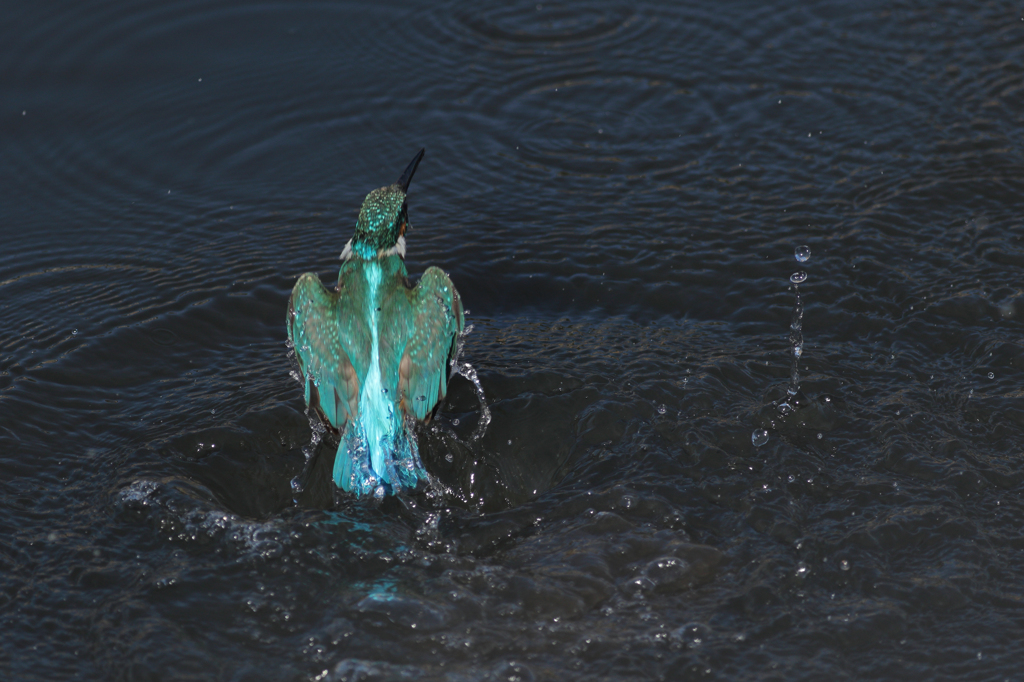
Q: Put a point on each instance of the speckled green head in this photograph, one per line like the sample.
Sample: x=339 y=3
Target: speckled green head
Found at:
x=384 y=216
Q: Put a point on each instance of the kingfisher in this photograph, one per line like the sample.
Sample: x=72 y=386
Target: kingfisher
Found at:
x=375 y=352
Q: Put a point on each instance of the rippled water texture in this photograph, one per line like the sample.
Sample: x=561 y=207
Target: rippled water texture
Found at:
x=617 y=190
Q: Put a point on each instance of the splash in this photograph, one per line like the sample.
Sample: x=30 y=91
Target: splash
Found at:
x=467 y=371
x=796 y=338
x=460 y=345
x=796 y=334
x=183 y=512
x=317 y=431
x=794 y=399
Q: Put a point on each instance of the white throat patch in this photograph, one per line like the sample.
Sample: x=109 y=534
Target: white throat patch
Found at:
x=398 y=248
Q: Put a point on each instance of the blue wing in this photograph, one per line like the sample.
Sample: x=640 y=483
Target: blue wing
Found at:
x=435 y=320
x=332 y=347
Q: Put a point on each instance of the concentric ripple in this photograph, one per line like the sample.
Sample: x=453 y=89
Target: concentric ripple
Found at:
x=550 y=26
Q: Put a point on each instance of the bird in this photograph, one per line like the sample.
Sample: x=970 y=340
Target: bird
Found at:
x=375 y=353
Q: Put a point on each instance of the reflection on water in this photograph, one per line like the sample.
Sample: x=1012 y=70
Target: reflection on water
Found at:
x=619 y=192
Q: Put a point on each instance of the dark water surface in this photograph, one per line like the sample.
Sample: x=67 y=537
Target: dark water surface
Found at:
x=617 y=191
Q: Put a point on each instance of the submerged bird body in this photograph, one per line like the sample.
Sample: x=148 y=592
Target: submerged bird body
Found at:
x=375 y=352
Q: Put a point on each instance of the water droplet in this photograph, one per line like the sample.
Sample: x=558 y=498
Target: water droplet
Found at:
x=991 y=375
x=213 y=411
x=448 y=457
x=759 y=437
x=466 y=370
x=455 y=422
x=798 y=277
x=844 y=565
x=74 y=331
x=819 y=436
x=802 y=253
x=662 y=409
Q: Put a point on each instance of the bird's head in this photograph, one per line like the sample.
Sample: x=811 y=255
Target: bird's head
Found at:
x=383 y=219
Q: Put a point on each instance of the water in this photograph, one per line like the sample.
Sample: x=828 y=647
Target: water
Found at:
x=468 y=372
x=617 y=190
x=796 y=334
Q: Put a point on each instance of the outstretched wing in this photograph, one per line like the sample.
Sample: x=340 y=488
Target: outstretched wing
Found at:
x=437 y=321
x=332 y=347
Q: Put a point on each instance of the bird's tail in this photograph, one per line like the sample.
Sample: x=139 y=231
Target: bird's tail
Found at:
x=397 y=456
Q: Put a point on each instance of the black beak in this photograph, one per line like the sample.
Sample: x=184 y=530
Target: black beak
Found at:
x=406 y=178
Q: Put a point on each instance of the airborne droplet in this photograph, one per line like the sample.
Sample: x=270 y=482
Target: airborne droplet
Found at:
x=759 y=437
x=802 y=253
x=798 y=277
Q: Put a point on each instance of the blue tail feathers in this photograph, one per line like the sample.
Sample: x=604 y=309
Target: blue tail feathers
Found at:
x=401 y=465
